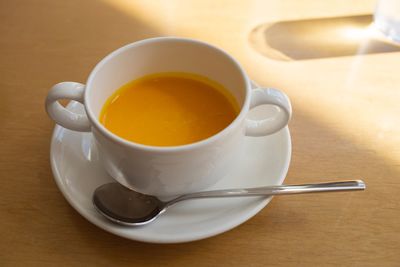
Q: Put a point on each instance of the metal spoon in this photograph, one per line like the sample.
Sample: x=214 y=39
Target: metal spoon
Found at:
x=124 y=206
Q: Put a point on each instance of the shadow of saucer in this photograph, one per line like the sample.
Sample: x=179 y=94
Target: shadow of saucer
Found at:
x=319 y=38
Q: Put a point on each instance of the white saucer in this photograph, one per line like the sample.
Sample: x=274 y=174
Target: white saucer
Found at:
x=77 y=171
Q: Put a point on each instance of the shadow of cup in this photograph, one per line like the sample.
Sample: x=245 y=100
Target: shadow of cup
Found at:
x=319 y=38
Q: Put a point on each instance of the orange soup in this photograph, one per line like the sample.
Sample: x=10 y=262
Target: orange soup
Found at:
x=169 y=109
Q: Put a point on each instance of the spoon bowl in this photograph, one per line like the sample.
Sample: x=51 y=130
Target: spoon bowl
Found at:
x=127 y=207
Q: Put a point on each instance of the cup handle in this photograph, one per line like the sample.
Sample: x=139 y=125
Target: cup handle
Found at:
x=61 y=115
x=269 y=96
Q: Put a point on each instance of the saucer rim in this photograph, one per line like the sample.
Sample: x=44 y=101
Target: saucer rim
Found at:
x=120 y=231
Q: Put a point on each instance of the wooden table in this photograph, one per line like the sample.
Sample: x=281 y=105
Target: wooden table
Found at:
x=346 y=124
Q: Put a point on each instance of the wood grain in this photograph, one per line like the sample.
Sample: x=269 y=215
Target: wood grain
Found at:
x=346 y=124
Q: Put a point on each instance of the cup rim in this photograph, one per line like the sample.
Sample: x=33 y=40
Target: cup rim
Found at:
x=119 y=140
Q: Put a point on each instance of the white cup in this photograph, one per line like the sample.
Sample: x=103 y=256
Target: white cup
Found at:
x=167 y=171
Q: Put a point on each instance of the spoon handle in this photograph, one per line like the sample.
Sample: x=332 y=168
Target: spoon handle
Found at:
x=278 y=190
